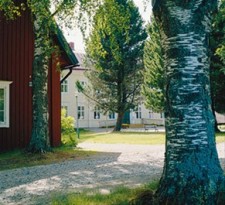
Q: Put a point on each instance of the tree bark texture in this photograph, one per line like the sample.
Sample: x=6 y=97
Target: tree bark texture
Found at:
x=192 y=173
x=40 y=125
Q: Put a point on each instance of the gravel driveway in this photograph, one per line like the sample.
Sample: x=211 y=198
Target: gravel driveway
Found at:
x=119 y=165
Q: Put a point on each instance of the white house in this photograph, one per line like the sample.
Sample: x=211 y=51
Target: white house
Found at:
x=88 y=114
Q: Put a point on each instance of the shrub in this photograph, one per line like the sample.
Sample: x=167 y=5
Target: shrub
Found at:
x=67 y=129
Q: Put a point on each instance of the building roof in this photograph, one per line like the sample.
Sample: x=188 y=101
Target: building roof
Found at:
x=81 y=59
x=66 y=48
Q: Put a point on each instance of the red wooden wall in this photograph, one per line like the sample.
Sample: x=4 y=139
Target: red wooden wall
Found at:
x=16 y=56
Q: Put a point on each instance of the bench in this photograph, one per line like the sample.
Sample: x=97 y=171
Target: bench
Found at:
x=152 y=123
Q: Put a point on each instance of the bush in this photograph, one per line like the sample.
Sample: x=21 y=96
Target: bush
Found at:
x=67 y=129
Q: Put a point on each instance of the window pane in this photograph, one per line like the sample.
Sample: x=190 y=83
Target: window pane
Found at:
x=1 y=94
x=1 y=116
x=1 y=105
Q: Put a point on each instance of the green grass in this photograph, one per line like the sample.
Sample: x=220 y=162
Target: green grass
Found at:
x=123 y=137
x=119 y=196
x=155 y=138
x=21 y=158
x=220 y=137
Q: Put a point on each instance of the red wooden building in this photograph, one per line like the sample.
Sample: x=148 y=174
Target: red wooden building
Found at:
x=16 y=56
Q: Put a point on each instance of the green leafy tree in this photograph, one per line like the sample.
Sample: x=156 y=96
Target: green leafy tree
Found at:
x=154 y=77
x=43 y=25
x=192 y=173
x=219 y=25
x=115 y=50
x=217 y=71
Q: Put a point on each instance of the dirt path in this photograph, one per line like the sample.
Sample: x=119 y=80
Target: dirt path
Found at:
x=119 y=164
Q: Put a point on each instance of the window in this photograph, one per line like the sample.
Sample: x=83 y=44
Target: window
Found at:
x=4 y=103
x=111 y=115
x=97 y=113
x=138 y=112
x=161 y=115
x=65 y=108
x=151 y=115
x=82 y=83
x=80 y=112
x=64 y=86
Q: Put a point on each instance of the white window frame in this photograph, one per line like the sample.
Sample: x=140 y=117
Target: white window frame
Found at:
x=138 y=112
x=112 y=115
x=80 y=112
x=97 y=113
x=5 y=86
x=64 y=86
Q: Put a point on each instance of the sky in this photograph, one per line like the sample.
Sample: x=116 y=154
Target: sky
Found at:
x=76 y=36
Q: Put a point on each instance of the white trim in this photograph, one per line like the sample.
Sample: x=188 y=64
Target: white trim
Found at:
x=5 y=86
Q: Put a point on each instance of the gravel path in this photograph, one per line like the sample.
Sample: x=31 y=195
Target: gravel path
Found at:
x=119 y=165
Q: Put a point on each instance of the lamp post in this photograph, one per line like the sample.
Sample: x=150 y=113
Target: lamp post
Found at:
x=77 y=117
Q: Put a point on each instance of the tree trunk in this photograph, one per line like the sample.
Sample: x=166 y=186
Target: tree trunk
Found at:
x=119 y=121
x=192 y=173
x=40 y=127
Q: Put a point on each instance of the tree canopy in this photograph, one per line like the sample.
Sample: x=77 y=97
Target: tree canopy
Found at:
x=154 y=74
x=115 y=49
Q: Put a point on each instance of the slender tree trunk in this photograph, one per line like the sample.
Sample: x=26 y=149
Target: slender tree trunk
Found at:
x=40 y=127
x=119 y=121
x=192 y=173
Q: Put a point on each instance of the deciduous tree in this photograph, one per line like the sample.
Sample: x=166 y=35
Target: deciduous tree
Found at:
x=192 y=173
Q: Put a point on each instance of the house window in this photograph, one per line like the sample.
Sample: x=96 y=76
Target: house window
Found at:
x=80 y=112
x=111 y=115
x=151 y=115
x=138 y=112
x=64 y=86
x=82 y=83
x=4 y=103
x=97 y=113
x=65 y=108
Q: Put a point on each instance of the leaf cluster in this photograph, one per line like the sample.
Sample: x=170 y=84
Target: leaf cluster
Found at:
x=10 y=9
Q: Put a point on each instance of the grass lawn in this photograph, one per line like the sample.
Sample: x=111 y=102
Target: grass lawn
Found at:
x=150 y=138
x=119 y=196
x=19 y=158
x=123 y=137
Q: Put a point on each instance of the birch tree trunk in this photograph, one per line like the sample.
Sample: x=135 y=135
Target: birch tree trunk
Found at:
x=40 y=127
x=192 y=173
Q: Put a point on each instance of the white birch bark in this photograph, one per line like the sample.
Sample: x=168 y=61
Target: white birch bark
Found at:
x=192 y=173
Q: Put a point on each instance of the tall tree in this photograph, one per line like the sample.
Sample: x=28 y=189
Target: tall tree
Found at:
x=192 y=173
x=219 y=24
x=153 y=85
x=43 y=24
x=217 y=71
x=115 y=48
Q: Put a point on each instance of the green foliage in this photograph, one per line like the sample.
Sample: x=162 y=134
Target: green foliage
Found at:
x=153 y=86
x=115 y=50
x=67 y=128
x=10 y=9
x=220 y=28
x=217 y=66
